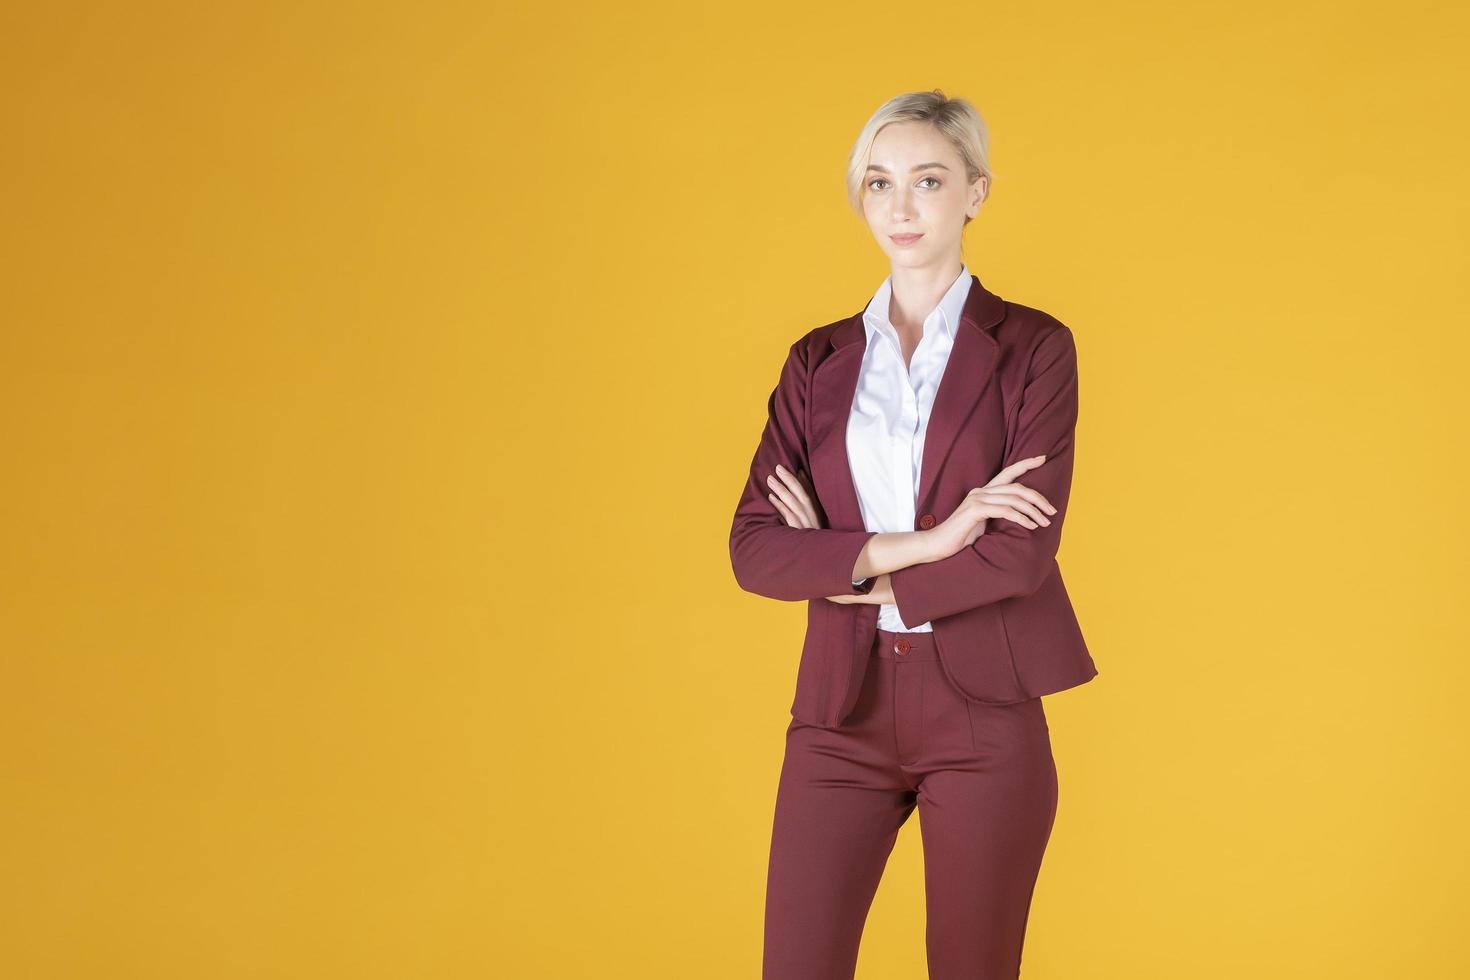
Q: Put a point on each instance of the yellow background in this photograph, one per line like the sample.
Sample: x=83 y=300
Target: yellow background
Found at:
x=378 y=382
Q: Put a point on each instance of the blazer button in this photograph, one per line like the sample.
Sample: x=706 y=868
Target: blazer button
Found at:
x=902 y=647
x=927 y=521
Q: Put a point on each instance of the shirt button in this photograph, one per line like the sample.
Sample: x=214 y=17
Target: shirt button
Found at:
x=927 y=521
x=901 y=647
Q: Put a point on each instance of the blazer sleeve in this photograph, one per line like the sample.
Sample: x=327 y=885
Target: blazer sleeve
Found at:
x=769 y=557
x=1010 y=559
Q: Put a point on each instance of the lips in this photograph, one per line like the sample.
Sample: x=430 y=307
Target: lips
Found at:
x=906 y=239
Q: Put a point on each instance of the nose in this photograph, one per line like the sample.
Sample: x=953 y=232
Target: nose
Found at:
x=902 y=205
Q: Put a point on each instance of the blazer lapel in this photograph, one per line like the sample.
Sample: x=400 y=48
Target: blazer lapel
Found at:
x=972 y=360
x=834 y=384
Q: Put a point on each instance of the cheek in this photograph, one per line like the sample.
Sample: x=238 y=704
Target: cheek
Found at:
x=947 y=211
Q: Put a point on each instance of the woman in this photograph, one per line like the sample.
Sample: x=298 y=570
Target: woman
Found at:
x=930 y=638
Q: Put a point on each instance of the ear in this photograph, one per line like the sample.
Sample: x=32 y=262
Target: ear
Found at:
x=980 y=190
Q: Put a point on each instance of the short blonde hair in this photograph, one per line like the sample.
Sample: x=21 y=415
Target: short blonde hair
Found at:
x=956 y=119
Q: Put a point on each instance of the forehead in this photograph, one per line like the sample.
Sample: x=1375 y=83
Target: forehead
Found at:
x=899 y=146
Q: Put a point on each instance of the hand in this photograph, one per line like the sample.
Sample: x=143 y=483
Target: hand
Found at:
x=792 y=494
x=1001 y=497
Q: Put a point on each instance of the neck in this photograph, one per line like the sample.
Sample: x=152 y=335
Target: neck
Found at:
x=916 y=291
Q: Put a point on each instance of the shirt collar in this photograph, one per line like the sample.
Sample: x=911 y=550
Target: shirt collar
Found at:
x=945 y=317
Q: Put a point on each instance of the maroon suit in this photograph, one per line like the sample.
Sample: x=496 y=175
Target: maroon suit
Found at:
x=950 y=721
x=1001 y=615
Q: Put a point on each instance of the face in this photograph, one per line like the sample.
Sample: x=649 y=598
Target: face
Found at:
x=915 y=186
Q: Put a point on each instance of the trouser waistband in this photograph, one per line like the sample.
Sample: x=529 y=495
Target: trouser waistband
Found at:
x=890 y=645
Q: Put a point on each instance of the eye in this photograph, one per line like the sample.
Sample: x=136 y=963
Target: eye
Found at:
x=935 y=179
x=876 y=180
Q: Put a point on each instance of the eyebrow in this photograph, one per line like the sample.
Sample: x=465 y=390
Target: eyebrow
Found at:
x=915 y=169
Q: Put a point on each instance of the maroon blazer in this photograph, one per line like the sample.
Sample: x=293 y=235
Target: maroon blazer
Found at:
x=1003 y=622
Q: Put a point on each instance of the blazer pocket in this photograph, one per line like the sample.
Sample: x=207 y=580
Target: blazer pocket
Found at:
x=975 y=650
x=1000 y=614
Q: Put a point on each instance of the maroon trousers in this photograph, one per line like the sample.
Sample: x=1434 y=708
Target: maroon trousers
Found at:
x=983 y=779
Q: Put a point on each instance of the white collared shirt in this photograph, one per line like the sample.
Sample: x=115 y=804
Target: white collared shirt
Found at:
x=890 y=415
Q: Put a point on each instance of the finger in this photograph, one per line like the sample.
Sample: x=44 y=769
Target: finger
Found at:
x=784 y=493
x=1012 y=514
x=1015 y=495
x=801 y=506
x=1032 y=495
x=797 y=489
x=786 y=512
x=1002 y=507
x=792 y=515
x=1010 y=473
x=800 y=495
x=1007 y=500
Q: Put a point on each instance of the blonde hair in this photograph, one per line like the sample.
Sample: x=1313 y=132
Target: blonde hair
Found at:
x=956 y=119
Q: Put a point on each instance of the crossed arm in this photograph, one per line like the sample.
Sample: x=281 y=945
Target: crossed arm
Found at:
x=793 y=495
x=771 y=558
x=774 y=559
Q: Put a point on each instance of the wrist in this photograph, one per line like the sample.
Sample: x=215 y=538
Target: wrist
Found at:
x=927 y=548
